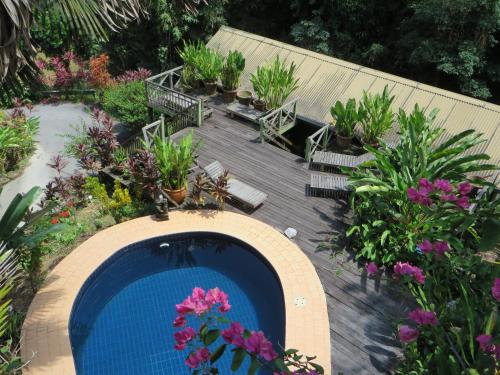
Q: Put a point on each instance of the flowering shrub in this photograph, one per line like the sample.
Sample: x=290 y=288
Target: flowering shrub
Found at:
x=134 y=75
x=207 y=309
x=62 y=72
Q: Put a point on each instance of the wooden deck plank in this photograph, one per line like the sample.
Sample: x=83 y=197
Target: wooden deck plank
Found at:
x=361 y=312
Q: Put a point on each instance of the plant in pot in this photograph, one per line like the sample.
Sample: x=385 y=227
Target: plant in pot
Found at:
x=120 y=159
x=231 y=74
x=345 y=119
x=174 y=161
x=274 y=83
x=376 y=116
x=190 y=53
x=210 y=65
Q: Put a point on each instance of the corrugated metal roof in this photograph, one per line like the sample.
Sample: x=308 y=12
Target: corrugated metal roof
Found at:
x=325 y=79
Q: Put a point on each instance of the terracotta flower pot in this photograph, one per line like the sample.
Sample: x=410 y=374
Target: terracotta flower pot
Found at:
x=229 y=96
x=343 y=142
x=210 y=87
x=259 y=105
x=177 y=195
x=244 y=97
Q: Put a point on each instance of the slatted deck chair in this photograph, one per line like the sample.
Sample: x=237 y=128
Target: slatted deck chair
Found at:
x=334 y=186
x=246 y=195
x=322 y=159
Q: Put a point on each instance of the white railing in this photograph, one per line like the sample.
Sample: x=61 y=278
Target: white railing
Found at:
x=318 y=141
x=277 y=122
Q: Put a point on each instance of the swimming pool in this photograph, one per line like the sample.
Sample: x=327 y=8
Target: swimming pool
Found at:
x=121 y=321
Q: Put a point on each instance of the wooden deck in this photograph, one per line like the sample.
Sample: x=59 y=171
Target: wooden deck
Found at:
x=362 y=313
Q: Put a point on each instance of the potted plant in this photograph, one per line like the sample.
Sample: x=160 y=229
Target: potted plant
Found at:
x=120 y=159
x=345 y=119
x=190 y=53
x=231 y=74
x=174 y=161
x=273 y=84
x=209 y=64
x=376 y=116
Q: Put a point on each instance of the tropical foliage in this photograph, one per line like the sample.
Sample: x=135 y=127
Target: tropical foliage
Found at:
x=345 y=117
x=233 y=68
x=387 y=224
x=127 y=102
x=376 y=116
x=275 y=82
x=209 y=64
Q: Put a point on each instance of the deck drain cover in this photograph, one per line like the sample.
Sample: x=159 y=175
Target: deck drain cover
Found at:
x=300 y=301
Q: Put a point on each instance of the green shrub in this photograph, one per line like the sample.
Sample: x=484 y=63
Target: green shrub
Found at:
x=127 y=102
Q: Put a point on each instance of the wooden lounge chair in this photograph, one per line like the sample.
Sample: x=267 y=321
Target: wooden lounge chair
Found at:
x=322 y=159
x=329 y=185
x=245 y=194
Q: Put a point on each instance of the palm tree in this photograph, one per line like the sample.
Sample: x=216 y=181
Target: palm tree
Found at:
x=82 y=17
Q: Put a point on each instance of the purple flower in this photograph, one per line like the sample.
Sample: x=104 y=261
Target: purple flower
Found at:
x=441 y=247
x=371 y=269
x=258 y=344
x=495 y=289
x=234 y=334
x=408 y=334
x=485 y=343
x=464 y=188
x=423 y=317
x=413 y=195
x=443 y=185
x=448 y=197
x=425 y=186
x=406 y=269
x=198 y=357
x=463 y=202
x=183 y=337
x=425 y=247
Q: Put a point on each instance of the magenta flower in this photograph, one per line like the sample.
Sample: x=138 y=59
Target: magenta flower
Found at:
x=422 y=317
x=198 y=357
x=443 y=185
x=463 y=202
x=448 y=197
x=183 y=337
x=425 y=247
x=495 y=289
x=418 y=275
x=464 y=188
x=198 y=294
x=441 y=247
x=425 y=186
x=234 y=334
x=406 y=269
x=371 y=269
x=485 y=343
x=258 y=344
x=185 y=307
x=408 y=334
x=180 y=321
x=413 y=195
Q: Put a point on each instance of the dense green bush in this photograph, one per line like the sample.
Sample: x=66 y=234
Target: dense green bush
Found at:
x=127 y=102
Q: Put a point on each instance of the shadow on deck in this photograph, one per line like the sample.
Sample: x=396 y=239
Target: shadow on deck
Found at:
x=362 y=312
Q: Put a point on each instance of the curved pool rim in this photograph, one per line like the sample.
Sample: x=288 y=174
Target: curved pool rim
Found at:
x=45 y=331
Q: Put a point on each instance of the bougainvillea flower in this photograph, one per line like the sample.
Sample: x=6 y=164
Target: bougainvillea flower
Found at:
x=441 y=247
x=495 y=289
x=234 y=334
x=198 y=357
x=448 y=198
x=185 y=307
x=425 y=246
x=443 y=185
x=425 y=186
x=463 y=202
x=183 y=337
x=408 y=334
x=406 y=269
x=179 y=321
x=258 y=344
x=464 y=188
x=485 y=343
x=413 y=195
x=371 y=269
x=422 y=317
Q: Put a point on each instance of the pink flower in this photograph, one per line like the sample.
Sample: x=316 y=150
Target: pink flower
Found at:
x=371 y=269
x=413 y=195
x=425 y=247
x=406 y=269
x=495 y=289
x=198 y=294
x=224 y=308
x=463 y=202
x=425 y=186
x=485 y=343
x=258 y=344
x=183 y=337
x=464 y=188
x=420 y=316
x=234 y=334
x=448 y=197
x=443 y=185
x=180 y=321
x=185 y=307
x=408 y=334
x=212 y=296
x=197 y=357
x=441 y=247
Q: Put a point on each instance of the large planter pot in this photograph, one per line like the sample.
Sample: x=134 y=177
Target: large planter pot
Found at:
x=210 y=87
x=244 y=97
x=259 y=105
x=178 y=195
x=343 y=142
x=229 y=96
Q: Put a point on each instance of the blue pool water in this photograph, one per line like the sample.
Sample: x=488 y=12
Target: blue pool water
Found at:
x=121 y=321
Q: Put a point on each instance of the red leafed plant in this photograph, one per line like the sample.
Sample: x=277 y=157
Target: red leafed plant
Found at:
x=99 y=74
